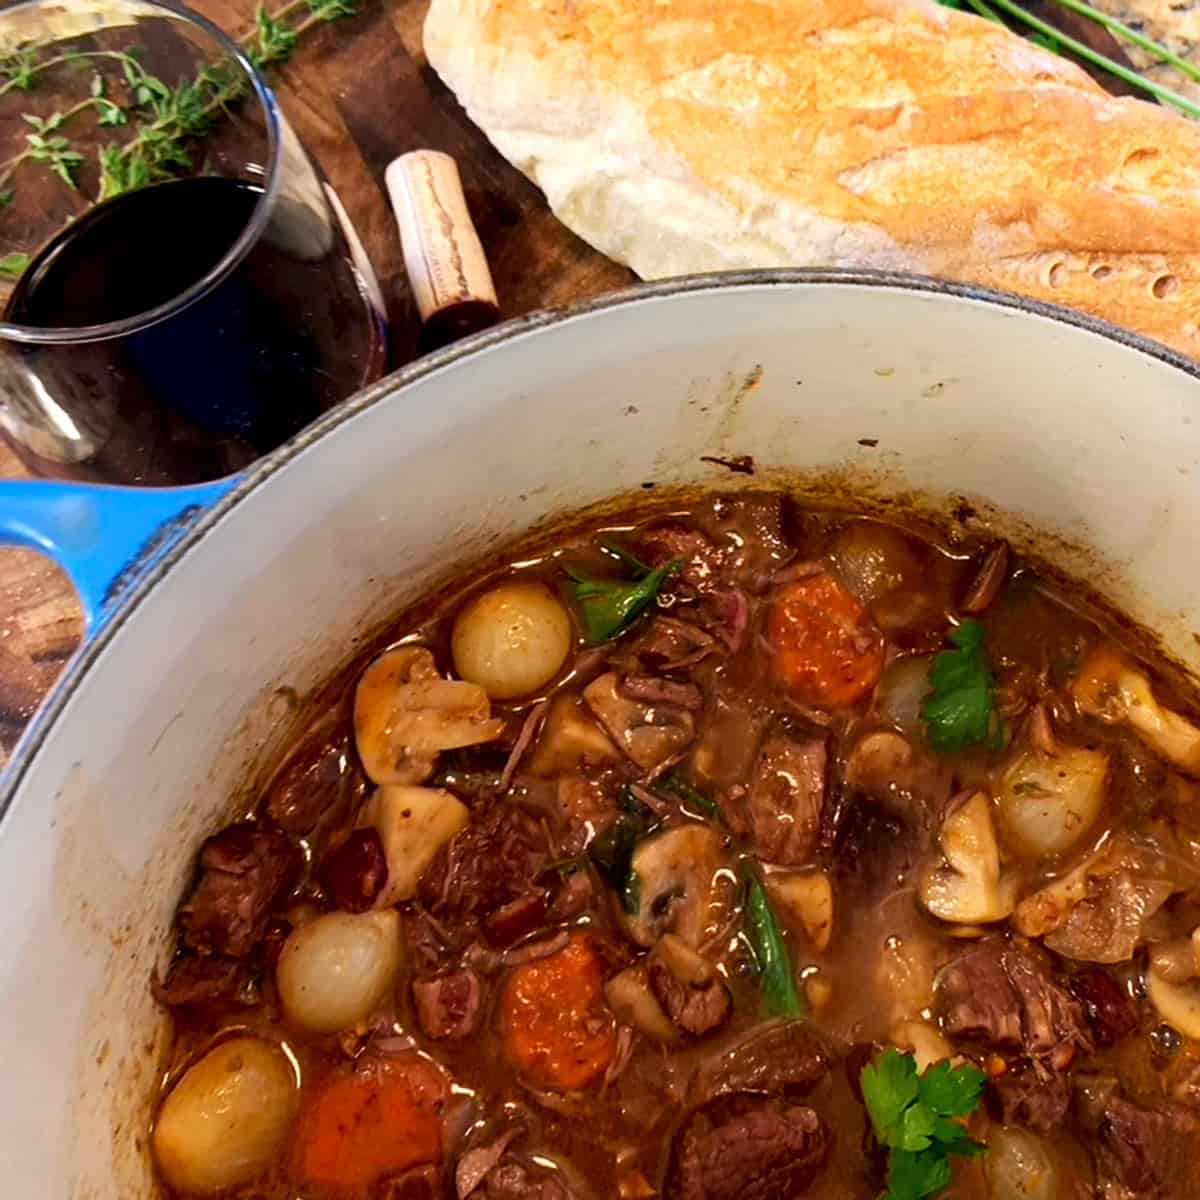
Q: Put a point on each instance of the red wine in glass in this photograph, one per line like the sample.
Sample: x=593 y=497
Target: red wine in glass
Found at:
x=174 y=333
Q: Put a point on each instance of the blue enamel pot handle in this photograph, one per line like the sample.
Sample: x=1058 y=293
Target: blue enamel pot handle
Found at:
x=103 y=537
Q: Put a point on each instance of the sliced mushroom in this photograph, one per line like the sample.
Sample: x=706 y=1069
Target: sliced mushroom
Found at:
x=987 y=581
x=414 y=823
x=682 y=885
x=570 y=740
x=651 y=734
x=1112 y=688
x=629 y=995
x=688 y=987
x=807 y=897
x=1178 y=960
x=405 y=713
x=1177 y=1002
x=968 y=887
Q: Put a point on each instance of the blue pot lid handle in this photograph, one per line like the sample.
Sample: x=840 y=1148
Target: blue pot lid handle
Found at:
x=103 y=537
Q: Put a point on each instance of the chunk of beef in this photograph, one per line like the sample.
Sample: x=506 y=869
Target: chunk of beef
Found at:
x=308 y=787
x=192 y=980
x=570 y=897
x=1109 y=1010
x=1003 y=996
x=490 y=864
x=695 y=1006
x=420 y=1183
x=726 y=615
x=747 y=1148
x=1051 y=1017
x=588 y=808
x=1035 y=1098
x=700 y=559
x=513 y=1180
x=1098 y=911
x=740 y=543
x=651 y=734
x=1151 y=1152
x=1109 y=926
x=245 y=870
x=354 y=873
x=448 y=1006
x=653 y=689
x=749 y=531
x=666 y=644
x=786 y=1058
x=517 y=918
x=786 y=799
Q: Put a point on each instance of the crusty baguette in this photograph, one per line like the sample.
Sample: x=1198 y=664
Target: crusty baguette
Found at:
x=694 y=135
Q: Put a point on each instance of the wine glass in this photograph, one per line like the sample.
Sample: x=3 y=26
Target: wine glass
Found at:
x=182 y=290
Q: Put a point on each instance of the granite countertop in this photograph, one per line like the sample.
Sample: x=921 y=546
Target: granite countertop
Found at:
x=1174 y=24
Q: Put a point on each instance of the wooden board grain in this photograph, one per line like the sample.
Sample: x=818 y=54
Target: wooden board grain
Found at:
x=358 y=94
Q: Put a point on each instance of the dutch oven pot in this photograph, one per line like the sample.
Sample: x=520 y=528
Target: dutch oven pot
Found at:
x=211 y=608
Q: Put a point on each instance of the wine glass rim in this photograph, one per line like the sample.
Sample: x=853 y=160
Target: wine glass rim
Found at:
x=74 y=334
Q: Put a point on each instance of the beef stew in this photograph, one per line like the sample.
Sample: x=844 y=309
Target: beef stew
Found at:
x=738 y=850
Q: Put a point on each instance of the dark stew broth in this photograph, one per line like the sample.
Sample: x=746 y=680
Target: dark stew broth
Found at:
x=618 y=874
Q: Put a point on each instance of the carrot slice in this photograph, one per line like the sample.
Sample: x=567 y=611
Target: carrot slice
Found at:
x=554 y=1025
x=827 y=649
x=355 y=1126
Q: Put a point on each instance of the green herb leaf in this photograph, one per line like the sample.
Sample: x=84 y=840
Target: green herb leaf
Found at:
x=13 y=265
x=914 y=1175
x=682 y=790
x=274 y=41
x=912 y=1116
x=958 y=711
x=19 y=69
x=612 y=850
x=952 y=1091
x=777 y=983
x=607 y=607
x=331 y=10
x=889 y=1087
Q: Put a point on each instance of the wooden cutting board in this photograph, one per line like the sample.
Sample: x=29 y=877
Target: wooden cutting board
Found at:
x=358 y=93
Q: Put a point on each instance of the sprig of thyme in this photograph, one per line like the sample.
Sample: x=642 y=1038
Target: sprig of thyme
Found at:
x=166 y=118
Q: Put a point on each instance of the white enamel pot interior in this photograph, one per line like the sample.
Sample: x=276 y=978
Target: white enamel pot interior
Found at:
x=1043 y=421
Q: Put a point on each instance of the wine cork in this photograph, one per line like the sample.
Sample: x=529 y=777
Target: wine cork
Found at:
x=442 y=254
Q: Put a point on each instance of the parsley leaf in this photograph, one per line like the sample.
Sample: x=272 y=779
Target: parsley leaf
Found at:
x=951 y=1091
x=607 y=607
x=914 y=1117
x=889 y=1086
x=958 y=711
x=912 y=1176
